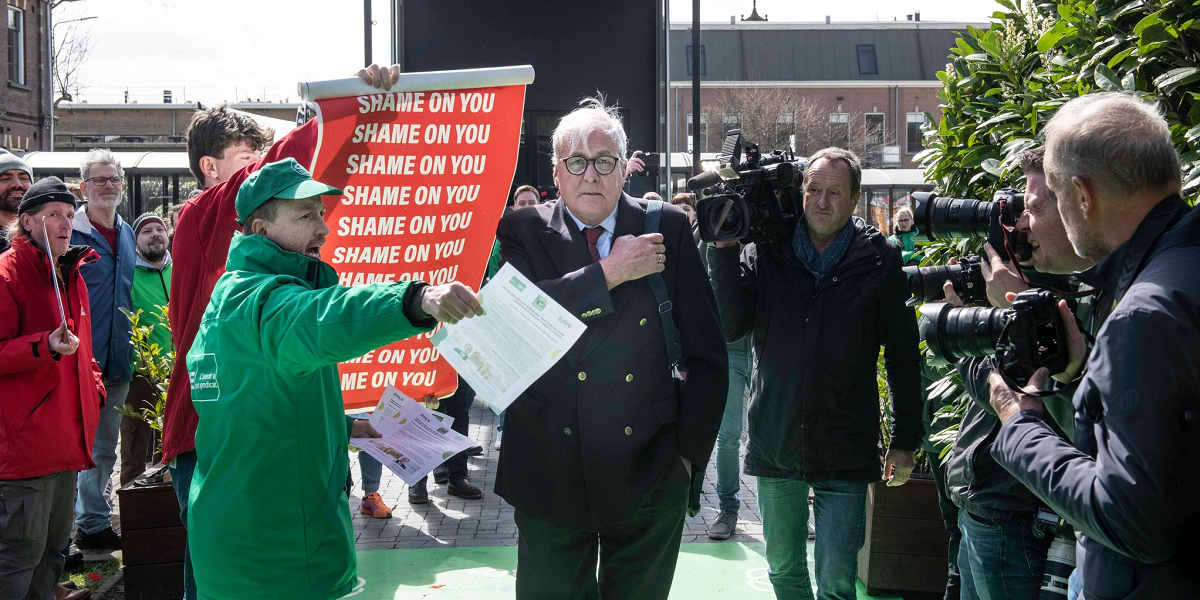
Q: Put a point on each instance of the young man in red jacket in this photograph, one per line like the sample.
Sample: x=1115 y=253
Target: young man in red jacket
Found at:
x=223 y=149
x=52 y=390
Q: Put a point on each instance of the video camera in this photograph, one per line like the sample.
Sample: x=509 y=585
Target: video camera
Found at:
x=1024 y=337
x=947 y=218
x=966 y=276
x=756 y=200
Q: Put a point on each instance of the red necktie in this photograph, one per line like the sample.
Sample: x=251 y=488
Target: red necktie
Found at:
x=593 y=234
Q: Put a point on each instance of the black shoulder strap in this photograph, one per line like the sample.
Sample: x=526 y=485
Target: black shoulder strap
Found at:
x=659 y=286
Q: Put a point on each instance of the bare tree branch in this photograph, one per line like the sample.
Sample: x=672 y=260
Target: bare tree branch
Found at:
x=71 y=47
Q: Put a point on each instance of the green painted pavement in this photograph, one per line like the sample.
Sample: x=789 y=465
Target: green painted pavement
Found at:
x=725 y=570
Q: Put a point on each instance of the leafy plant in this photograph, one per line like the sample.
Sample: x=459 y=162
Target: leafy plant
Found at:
x=151 y=361
x=1004 y=83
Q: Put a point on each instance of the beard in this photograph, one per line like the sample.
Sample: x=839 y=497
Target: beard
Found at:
x=11 y=201
x=154 y=255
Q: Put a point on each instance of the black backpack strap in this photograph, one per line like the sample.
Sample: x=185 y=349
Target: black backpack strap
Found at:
x=659 y=286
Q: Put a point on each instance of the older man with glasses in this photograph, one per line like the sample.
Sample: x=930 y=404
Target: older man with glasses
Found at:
x=110 y=284
x=598 y=454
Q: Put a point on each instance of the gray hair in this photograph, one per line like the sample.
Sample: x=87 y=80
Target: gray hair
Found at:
x=592 y=115
x=834 y=153
x=99 y=156
x=1113 y=138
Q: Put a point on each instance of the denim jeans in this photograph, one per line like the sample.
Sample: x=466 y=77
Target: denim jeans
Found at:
x=369 y=469
x=841 y=515
x=729 y=438
x=1002 y=560
x=182 y=468
x=93 y=507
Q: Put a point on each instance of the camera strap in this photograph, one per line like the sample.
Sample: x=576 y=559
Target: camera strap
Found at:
x=662 y=298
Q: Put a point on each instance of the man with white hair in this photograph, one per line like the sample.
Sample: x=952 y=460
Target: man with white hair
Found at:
x=598 y=454
x=110 y=286
x=1126 y=485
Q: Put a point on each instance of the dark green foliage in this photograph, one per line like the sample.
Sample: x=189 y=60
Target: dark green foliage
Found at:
x=1004 y=83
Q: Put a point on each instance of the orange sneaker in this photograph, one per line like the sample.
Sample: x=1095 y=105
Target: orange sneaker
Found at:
x=373 y=506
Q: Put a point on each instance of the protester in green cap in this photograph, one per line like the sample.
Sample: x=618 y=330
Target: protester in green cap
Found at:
x=264 y=382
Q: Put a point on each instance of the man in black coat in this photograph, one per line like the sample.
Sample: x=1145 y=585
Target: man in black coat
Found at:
x=819 y=306
x=598 y=454
x=1127 y=485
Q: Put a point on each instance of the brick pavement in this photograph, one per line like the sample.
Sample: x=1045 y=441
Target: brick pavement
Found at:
x=450 y=521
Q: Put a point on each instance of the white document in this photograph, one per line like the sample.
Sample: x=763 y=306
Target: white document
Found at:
x=521 y=335
x=415 y=439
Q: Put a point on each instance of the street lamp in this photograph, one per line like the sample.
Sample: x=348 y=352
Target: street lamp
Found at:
x=50 y=66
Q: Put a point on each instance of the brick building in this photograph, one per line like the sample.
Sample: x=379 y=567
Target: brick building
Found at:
x=866 y=86
x=26 y=97
x=149 y=126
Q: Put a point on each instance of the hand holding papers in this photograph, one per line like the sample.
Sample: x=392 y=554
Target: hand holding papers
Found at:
x=521 y=334
x=415 y=439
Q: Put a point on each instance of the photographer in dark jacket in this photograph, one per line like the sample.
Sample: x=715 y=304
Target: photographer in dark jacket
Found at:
x=999 y=555
x=818 y=310
x=1126 y=486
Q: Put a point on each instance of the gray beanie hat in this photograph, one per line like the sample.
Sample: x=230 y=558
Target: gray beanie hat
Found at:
x=10 y=161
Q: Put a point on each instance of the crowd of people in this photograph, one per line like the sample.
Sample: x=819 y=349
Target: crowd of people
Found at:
x=688 y=345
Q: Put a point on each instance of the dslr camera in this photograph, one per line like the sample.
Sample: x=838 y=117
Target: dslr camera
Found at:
x=939 y=218
x=752 y=197
x=650 y=159
x=1024 y=337
x=966 y=276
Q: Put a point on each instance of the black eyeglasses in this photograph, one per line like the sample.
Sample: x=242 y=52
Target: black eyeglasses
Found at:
x=114 y=180
x=577 y=164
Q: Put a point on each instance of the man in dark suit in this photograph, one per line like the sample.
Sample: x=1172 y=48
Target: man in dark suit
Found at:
x=598 y=454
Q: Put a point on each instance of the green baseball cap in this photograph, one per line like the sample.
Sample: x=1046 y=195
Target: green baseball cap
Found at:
x=284 y=179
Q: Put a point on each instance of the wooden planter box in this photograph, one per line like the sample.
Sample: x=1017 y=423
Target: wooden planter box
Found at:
x=905 y=545
x=153 y=542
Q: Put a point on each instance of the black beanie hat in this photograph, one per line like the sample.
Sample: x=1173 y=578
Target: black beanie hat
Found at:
x=46 y=189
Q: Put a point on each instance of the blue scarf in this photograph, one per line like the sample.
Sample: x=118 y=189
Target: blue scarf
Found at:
x=820 y=263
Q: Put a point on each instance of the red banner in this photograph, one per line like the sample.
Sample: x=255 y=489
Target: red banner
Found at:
x=425 y=176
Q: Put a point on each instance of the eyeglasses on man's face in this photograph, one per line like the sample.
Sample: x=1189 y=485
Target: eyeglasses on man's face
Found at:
x=114 y=180
x=576 y=164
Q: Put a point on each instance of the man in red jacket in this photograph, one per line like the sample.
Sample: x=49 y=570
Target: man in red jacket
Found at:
x=52 y=391
x=223 y=149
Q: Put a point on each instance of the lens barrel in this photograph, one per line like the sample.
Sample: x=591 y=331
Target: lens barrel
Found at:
x=953 y=333
x=947 y=218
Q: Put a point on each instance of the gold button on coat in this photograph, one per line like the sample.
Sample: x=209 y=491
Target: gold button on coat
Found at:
x=582 y=376
x=629 y=378
x=566 y=431
x=642 y=322
x=628 y=430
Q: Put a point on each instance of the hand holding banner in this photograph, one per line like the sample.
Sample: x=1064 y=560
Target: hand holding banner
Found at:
x=425 y=170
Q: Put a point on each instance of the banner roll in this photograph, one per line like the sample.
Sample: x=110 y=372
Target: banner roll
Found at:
x=421 y=82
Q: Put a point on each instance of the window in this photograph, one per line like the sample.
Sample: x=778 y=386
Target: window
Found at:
x=866 y=60
x=874 y=129
x=839 y=130
x=16 y=45
x=703 y=60
x=916 y=142
x=731 y=122
x=702 y=139
x=785 y=131
x=873 y=134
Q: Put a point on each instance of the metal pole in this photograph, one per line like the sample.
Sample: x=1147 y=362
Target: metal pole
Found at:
x=695 y=87
x=50 y=69
x=665 y=114
x=366 y=33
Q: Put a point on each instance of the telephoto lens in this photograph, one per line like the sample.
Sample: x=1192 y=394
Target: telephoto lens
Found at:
x=1060 y=557
x=947 y=218
x=953 y=332
x=966 y=276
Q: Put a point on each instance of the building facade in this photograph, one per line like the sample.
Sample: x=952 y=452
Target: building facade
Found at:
x=804 y=86
x=25 y=100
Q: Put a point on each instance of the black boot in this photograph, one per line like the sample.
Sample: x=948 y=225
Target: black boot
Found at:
x=462 y=488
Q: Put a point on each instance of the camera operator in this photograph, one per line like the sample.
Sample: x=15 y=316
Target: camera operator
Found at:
x=1126 y=486
x=999 y=555
x=818 y=309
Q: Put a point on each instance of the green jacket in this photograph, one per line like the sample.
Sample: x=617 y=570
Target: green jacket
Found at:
x=267 y=514
x=151 y=289
x=908 y=246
